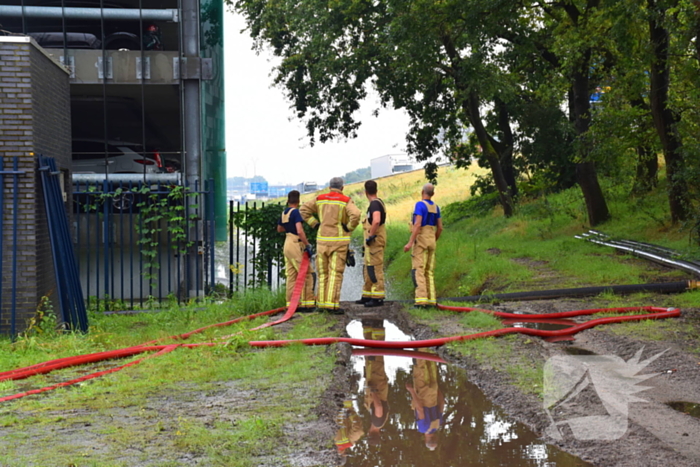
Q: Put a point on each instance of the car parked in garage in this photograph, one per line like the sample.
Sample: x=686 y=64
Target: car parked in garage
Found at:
x=93 y=156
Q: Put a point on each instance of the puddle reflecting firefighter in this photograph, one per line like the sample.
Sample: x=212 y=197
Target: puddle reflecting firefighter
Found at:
x=295 y=244
x=427 y=400
x=349 y=428
x=376 y=382
x=375 y=242
x=426 y=227
x=336 y=216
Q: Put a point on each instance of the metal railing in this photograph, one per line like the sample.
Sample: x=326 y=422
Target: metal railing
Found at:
x=255 y=253
x=139 y=242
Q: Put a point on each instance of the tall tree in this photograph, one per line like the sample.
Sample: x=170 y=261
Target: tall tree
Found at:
x=666 y=118
x=569 y=44
x=425 y=57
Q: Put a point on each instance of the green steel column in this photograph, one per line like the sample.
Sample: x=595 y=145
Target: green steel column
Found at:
x=213 y=122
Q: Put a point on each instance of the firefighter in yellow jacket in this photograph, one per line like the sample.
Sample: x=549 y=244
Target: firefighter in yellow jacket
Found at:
x=375 y=241
x=336 y=216
x=295 y=244
x=425 y=232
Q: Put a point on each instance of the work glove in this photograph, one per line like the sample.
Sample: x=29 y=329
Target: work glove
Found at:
x=350 y=260
x=345 y=227
x=309 y=251
x=370 y=239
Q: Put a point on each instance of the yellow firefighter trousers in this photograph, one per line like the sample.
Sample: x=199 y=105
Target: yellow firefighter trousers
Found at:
x=373 y=269
x=330 y=265
x=423 y=263
x=293 y=254
x=425 y=382
x=376 y=380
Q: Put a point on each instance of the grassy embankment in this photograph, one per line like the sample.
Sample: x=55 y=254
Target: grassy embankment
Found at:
x=534 y=248
x=155 y=413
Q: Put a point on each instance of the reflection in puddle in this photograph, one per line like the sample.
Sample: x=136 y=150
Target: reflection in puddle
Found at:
x=689 y=408
x=410 y=408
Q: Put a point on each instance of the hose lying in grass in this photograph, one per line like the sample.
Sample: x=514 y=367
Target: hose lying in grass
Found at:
x=61 y=363
x=656 y=313
x=46 y=367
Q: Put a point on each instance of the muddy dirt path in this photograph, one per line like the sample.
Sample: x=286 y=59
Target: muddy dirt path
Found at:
x=655 y=434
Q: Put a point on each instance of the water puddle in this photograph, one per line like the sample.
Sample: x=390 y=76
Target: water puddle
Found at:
x=689 y=408
x=544 y=325
x=577 y=351
x=411 y=408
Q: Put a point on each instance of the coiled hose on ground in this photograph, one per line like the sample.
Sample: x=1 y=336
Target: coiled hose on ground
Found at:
x=61 y=363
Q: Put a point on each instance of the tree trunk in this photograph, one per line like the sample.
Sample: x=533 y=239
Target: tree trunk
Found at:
x=505 y=149
x=471 y=108
x=647 y=169
x=586 y=174
x=587 y=178
x=665 y=119
x=647 y=162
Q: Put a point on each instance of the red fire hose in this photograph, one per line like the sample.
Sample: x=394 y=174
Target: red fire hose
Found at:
x=66 y=362
x=658 y=313
x=46 y=367
x=296 y=295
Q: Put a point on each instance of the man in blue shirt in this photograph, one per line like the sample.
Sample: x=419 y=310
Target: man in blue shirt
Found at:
x=294 y=246
x=425 y=232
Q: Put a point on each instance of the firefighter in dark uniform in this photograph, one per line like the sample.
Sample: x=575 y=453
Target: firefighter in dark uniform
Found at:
x=425 y=231
x=376 y=382
x=375 y=242
x=295 y=244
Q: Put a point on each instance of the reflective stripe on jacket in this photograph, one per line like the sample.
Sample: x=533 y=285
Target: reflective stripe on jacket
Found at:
x=336 y=213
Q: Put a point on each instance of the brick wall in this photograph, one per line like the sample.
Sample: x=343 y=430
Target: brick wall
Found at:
x=34 y=119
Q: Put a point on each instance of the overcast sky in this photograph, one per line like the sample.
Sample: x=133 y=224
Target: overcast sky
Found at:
x=264 y=138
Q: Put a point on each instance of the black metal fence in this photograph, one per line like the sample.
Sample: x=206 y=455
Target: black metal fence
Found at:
x=255 y=247
x=143 y=242
x=138 y=243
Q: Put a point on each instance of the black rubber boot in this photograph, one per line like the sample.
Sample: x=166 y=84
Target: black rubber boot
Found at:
x=373 y=302
x=363 y=300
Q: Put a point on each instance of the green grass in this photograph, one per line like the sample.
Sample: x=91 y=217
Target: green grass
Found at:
x=129 y=412
x=485 y=254
x=481 y=321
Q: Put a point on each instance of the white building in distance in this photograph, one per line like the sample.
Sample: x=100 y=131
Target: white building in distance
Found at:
x=390 y=164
